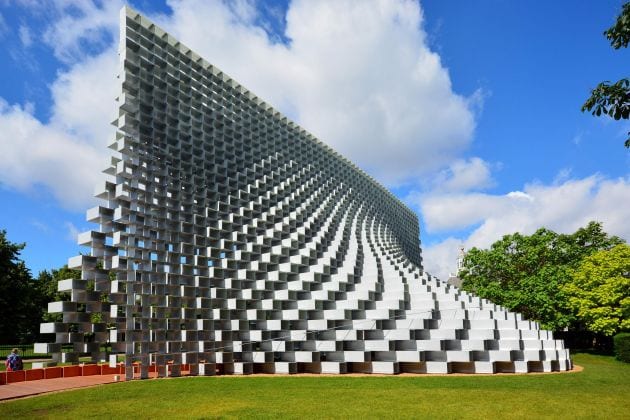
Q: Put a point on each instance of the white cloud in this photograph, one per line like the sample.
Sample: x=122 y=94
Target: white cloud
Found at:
x=444 y=212
x=81 y=26
x=577 y=139
x=563 y=207
x=440 y=259
x=357 y=74
x=245 y=10
x=34 y=5
x=72 y=231
x=563 y=175
x=41 y=226
x=67 y=153
x=464 y=175
x=25 y=36
x=477 y=100
x=4 y=28
x=38 y=154
x=84 y=99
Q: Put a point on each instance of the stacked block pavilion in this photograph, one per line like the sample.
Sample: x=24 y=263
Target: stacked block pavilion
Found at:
x=231 y=240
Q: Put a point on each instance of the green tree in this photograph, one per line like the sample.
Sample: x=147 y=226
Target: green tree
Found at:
x=46 y=286
x=47 y=282
x=24 y=300
x=16 y=295
x=599 y=293
x=613 y=99
x=525 y=273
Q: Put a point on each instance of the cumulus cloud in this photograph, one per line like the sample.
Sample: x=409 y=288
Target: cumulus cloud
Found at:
x=440 y=259
x=4 y=28
x=359 y=75
x=41 y=226
x=84 y=98
x=464 y=175
x=26 y=38
x=72 y=232
x=64 y=154
x=81 y=27
x=36 y=154
x=563 y=207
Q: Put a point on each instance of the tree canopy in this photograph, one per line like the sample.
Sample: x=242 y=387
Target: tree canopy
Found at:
x=23 y=299
x=619 y=33
x=16 y=303
x=613 y=99
x=526 y=273
x=599 y=292
x=46 y=290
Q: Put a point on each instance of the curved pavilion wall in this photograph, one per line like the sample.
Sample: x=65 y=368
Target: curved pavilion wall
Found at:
x=232 y=240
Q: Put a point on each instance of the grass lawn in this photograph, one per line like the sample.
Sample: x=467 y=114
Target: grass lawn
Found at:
x=602 y=390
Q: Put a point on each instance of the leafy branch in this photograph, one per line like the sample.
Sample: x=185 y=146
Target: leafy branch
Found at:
x=613 y=99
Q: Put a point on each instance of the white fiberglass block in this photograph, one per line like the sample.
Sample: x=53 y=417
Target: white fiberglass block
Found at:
x=499 y=355
x=532 y=355
x=401 y=334
x=520 y=367
x=473 y=345
x=532 y=344
x=333 y=367
x=440 y=334
x=355 y=356
x=408 y=356
x=480 y=334
x=484 y=367
x=304 y=356
x=438 y=367
x=286 y=368
x=410 y=324
x=506 y=324
x=507 y=344
x=377 y=345
x=456 y=324
x=386 y=368
x=429 y=345
x=530 y=335
x=482 y=324
x=458 y=356
x=509 y=334
x=325 y=345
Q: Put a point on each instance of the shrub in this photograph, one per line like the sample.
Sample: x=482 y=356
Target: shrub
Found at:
x=622 y=347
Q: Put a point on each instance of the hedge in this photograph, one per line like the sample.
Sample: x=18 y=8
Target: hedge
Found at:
x=622 y=347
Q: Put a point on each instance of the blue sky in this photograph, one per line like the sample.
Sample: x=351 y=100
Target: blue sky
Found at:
x=468 y=111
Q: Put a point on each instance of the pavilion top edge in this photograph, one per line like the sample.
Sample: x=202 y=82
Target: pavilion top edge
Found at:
x=127 y=12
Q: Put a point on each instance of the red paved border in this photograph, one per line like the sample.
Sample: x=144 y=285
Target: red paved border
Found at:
x=34 y=374
x=38 y=381
x=19 y=376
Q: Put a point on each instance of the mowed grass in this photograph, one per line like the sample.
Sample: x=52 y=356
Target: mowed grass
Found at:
x=601 y=390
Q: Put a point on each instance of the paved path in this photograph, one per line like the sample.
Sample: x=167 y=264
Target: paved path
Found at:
x=28 y=388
